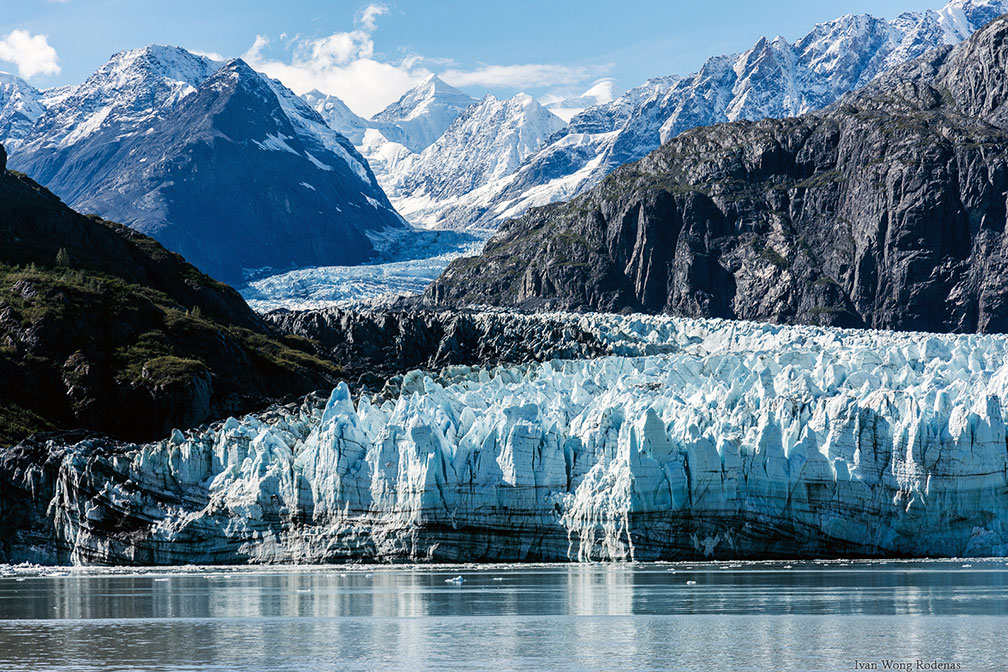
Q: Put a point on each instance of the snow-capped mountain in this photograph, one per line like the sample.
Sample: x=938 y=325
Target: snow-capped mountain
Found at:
x=412 y=123
x=132 y=87
x=422 y=114
x=218 y=162
x=20 y=108
x=394 y=139
x=337 y=115
x=371 y=138
x=486 y=142
x=436 y=143
x=600 y=93
x=775 y=78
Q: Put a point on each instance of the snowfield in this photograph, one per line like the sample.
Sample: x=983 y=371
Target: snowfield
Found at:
x=693 y=439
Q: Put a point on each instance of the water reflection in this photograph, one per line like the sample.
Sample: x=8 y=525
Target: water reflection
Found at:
x=706 y=616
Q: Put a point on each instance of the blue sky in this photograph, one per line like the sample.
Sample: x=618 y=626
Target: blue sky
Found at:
x=369 y=54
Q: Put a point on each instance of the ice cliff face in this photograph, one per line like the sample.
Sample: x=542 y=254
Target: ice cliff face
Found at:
x=693 y=439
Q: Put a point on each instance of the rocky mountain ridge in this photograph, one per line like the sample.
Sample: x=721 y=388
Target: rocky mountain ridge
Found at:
x=218 y=162
x=774 y=78
x=886 y=210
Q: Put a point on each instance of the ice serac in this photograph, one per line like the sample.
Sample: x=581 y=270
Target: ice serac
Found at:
x=216 y=161
x=692 y=439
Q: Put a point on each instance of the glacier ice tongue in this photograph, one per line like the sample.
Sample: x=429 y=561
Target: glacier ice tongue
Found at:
x=695 y=439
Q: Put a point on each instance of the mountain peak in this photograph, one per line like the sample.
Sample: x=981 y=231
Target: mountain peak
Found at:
x=602 y=91
x=160 y=60
x=124 y=78
x=422 y=114
x=435 y=86
x=432 y=90
x=959 y=18
x=239 y=67
x=20 y=108
x=236 y=74
x=10 y=78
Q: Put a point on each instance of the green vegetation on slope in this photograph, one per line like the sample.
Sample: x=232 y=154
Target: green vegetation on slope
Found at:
x=103 y=328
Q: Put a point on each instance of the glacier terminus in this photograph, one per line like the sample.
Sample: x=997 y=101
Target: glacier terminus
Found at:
x=690 y=439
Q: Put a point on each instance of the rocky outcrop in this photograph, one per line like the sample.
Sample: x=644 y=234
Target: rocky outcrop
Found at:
x=886 y=210
x=376 y=344
x=102 y=328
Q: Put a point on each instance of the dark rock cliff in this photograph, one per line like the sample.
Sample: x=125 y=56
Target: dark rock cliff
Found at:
x=375 y=345
x=104 y=329
x=886 y=210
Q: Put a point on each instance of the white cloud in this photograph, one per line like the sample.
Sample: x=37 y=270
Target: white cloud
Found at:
x=212 y=55
x=372 y=12
x=346 y=65
x=31 y=53
x=530 y=75
x=341 y=64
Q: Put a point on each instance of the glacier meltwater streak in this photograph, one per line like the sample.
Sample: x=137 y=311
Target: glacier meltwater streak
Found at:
x=693 y=439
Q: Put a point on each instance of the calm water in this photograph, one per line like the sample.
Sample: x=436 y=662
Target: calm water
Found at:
x=764 y=616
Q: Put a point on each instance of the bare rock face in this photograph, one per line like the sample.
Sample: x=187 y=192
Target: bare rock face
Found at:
x=381 y=344
x=886 y=210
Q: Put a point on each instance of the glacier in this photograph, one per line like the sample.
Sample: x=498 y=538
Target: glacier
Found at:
x=407 y=261
x=690 y=439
